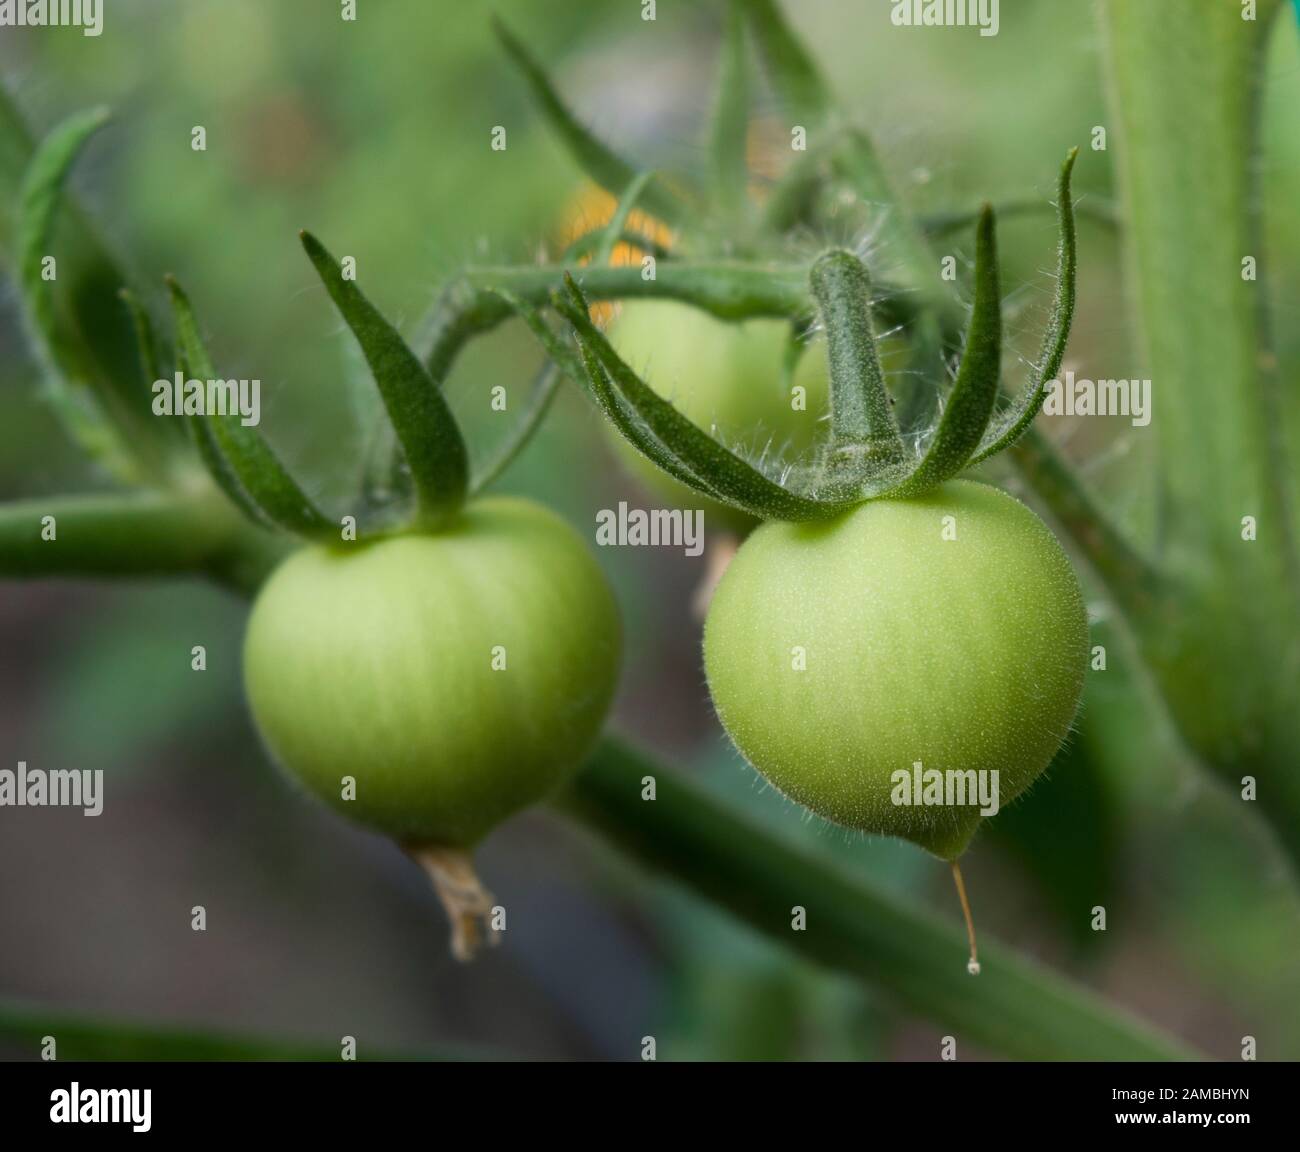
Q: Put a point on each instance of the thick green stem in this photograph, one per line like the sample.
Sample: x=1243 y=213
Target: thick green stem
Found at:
x=471 y=306
x=1133 y=582
x=1013 y=1007
x=862 y=418
x=137 y=535
x=1185 y=94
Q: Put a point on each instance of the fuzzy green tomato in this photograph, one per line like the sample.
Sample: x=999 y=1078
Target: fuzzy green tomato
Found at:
x=458 y=677
x=723 y=377
x=838 y=654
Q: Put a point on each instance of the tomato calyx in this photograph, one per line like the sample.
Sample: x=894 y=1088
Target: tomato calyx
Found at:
x=866 y=457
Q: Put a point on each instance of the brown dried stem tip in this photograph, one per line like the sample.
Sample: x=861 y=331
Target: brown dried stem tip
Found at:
x=469 y=905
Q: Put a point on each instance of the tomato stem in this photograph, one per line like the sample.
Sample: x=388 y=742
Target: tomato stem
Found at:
x=973 y=964
x=469 y=905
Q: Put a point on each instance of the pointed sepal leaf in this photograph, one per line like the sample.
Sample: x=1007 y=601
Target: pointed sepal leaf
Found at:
x=582 y=367
x=432 y=443
x=236 y=454
x=601 y=163
x=1007 y=426
x=732 y=478
x=975 y=391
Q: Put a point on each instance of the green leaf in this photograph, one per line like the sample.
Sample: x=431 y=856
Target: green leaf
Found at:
x=600 y=163
x=861 y=412
x=238 y=456
x=970 y=404
x=731 y=120
x=726 y=474
x=146 y=343
x=1007 y=427
x=88 y=411
x=434 y=448
x=791 y=71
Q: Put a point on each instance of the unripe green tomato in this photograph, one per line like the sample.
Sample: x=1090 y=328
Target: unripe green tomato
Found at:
x=725 y=378
x=458 y=676
x=840 y=653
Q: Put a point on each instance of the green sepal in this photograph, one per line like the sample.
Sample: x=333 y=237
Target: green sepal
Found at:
x=237 y=456
x=585 y=371
x=432 y=443
x=1007 y=426
x=733 y=479
x=975 y=391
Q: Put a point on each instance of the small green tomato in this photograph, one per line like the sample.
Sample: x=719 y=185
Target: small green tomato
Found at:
x=723 y=377
x=456 y=677
x=948 y=629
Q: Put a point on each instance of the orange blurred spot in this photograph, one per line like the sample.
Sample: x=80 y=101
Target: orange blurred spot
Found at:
x=591 y=210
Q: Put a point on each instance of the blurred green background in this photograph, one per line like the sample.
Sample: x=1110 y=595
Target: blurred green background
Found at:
x=375 y=134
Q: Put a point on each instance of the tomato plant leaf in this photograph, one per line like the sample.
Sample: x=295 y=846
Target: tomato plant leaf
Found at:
x=434 y=447
x=731 y=121
x=862 y=418
x=236 y=454
x=600 y=163
x=89 y=411
x=1007 y=427
x=970 y=404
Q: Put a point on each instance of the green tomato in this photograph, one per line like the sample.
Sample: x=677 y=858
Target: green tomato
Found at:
x=457 y=677
x=841 y=654
x=726 y=378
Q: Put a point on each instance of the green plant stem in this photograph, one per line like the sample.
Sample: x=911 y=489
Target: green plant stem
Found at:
x=1094 y=208
x=1185 y=97
x=137 y=535
x=81 y=1037
x=1013 y=1007
x=469 y=306
x=1133 y=582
